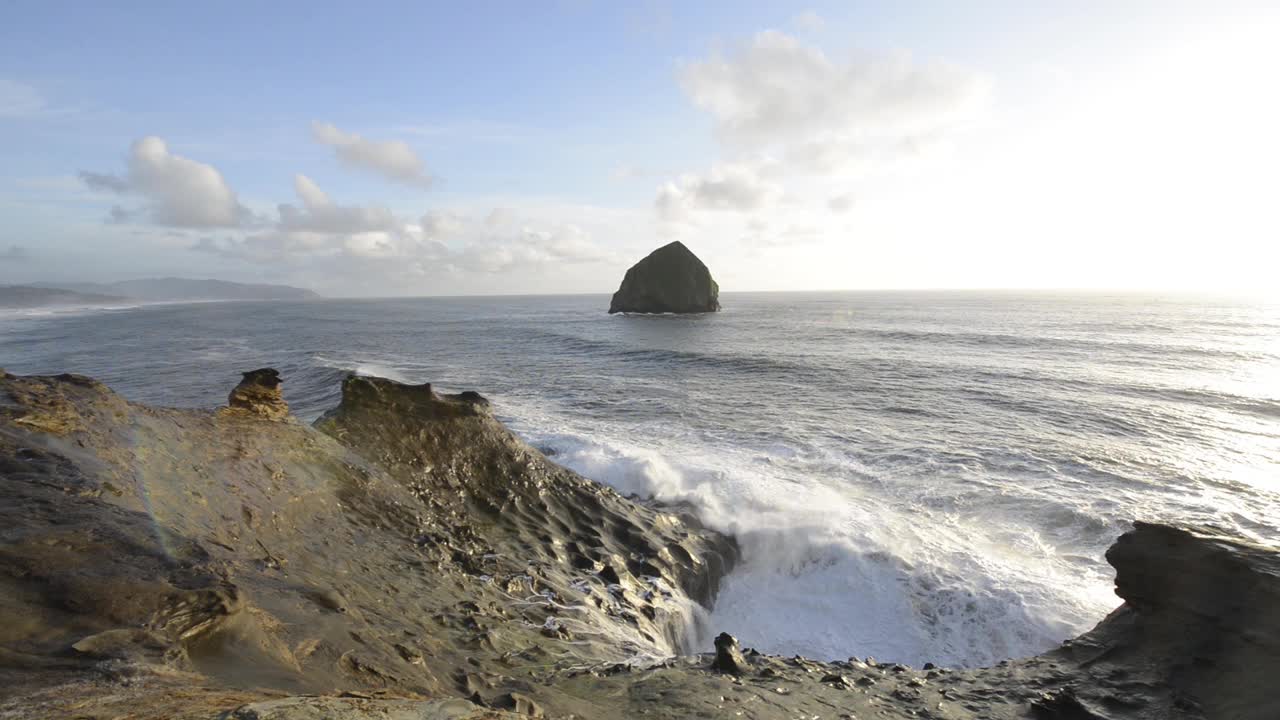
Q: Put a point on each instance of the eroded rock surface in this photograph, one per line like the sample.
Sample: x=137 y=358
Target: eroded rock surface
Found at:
x=260 y=393
x=670 y=279
x=410 y=557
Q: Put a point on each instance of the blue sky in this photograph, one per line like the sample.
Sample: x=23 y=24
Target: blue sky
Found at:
x=542 y=147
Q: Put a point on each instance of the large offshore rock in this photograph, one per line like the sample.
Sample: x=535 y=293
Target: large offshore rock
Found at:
x=670 y=279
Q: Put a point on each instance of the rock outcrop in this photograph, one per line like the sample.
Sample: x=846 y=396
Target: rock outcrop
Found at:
x=409 y=557
x=670 y=279
x=260 y=393
x=728 y=657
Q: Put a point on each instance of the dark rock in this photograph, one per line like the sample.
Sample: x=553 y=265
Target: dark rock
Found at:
x=837 y=680
x=259 y=393
x=472 y=396
x=728 y=658
x=1197 y=596
x=1063 y=705
x=671 y=279
x=518 y=703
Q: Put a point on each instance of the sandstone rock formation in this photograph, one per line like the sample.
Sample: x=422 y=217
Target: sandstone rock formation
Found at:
x=260 y=393
x=408 y=557
x=670 y=279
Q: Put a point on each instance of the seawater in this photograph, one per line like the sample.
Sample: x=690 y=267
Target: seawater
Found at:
x=914 y=476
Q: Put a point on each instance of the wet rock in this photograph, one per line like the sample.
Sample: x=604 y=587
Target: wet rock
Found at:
x=1062 y=705
x=671 y=279
x=728 y=657
x=259 y=393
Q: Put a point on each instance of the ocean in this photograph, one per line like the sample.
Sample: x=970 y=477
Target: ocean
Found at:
x=915 y=476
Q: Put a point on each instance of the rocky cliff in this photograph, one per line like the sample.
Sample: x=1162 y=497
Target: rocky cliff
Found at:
x=670 y=279
x=408 y=557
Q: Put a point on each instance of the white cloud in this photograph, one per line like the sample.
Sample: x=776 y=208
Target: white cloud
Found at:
x=502 y=241
x=775 y=89
x=320 y=232
x=178 y=191
x=841 y=203
x=319 y=214
x=19 y=100
x=733 y=187
x=319 y=227
x=793 y=120
x=442 y=225
x=392 y=159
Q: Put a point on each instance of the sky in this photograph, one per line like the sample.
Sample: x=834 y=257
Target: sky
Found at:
x=421 y=148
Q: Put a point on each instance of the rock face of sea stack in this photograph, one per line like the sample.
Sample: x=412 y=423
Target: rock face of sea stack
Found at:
x=670 y=279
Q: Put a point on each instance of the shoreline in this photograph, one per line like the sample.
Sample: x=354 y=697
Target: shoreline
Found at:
x=430 y=489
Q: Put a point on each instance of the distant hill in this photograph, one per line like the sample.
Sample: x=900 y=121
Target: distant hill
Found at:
x=181 y=289
x=26 y=296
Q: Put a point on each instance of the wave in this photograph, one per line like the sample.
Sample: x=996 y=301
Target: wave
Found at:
x=831 y=570
x=52 y=311
x=813 y=368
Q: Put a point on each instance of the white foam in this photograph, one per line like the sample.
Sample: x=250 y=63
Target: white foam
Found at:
x=46 y=311
x=830 y=570
x=367 y=367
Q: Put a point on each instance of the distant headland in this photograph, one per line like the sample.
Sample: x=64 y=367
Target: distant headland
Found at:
x=168 y=289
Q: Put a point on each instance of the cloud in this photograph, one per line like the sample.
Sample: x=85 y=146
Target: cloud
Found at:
x=392 y=159
x=776 y=89
x=179 y=192
x=18 y=100
x=442 y=225
x=319 y=214
x=104 y=183
x=841 y=203
x=320 y=233
x=737 y=188
x=319 y=227
x=15 y=253
x=528 y=247
x=121 y=216
x=792 y=120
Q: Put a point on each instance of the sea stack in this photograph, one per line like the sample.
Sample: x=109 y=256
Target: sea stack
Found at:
x=670 y=279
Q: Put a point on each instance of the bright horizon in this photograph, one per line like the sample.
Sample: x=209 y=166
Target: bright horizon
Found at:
x=427 y=151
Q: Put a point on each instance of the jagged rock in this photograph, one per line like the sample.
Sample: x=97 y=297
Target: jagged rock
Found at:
x=1062 y=705
x=259 y=393
x=1207 y=605
x=728 y=657
x=164 y=564
x=1201 y=579
x=518 y=703
x=670 y=279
